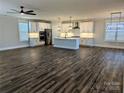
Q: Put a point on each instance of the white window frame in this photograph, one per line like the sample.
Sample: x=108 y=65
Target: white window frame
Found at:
x=20 y=38
x=116 y=36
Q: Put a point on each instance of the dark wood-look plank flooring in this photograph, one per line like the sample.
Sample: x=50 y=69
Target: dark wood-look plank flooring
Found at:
x=52 y=70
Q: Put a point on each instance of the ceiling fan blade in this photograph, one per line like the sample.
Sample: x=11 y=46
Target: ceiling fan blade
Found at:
x=12 y=12
x=15 y=10
x=30 y=11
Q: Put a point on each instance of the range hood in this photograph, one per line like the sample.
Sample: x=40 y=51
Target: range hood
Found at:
x=76 y=25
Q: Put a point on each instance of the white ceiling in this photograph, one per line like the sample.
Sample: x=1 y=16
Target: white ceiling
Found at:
x=52 y=9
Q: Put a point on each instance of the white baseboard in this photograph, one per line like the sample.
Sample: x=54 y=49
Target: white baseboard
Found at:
x=107 y=46
x=14 y=47
x=97 y=45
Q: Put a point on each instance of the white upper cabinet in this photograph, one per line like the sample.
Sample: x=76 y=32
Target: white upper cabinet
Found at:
x=32 y=27
x=43 y=26
x=86 y=27
x=38 y=26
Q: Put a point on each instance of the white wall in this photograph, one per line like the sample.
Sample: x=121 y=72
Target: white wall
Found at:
x=9 y=34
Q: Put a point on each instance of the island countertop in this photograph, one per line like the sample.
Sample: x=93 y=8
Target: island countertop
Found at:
x=68 y=43
x=65 y=38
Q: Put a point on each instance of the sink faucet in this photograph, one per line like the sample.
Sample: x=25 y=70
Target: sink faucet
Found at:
x=66 y=33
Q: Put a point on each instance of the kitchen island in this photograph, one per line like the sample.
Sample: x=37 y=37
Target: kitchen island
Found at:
x=68 y=43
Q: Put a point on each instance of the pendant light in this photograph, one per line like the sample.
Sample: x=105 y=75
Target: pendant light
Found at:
x=59 y=24
x=70 y=26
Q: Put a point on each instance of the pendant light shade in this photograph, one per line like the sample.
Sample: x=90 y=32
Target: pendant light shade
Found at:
x=70 y=26
x=59 y=24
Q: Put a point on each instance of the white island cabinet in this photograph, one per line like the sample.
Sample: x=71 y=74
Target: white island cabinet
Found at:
x=68 y=43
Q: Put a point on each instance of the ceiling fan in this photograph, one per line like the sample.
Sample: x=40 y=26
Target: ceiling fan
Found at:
x=29 y=12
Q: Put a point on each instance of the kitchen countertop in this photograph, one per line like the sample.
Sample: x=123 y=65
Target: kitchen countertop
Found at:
x=68 y=43
x=65 y=38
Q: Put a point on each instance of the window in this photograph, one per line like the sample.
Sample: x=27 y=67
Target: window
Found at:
x=114 y=31
x=23 y=31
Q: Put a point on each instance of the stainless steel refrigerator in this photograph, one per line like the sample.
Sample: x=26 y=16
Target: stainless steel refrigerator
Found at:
x=46 y=36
